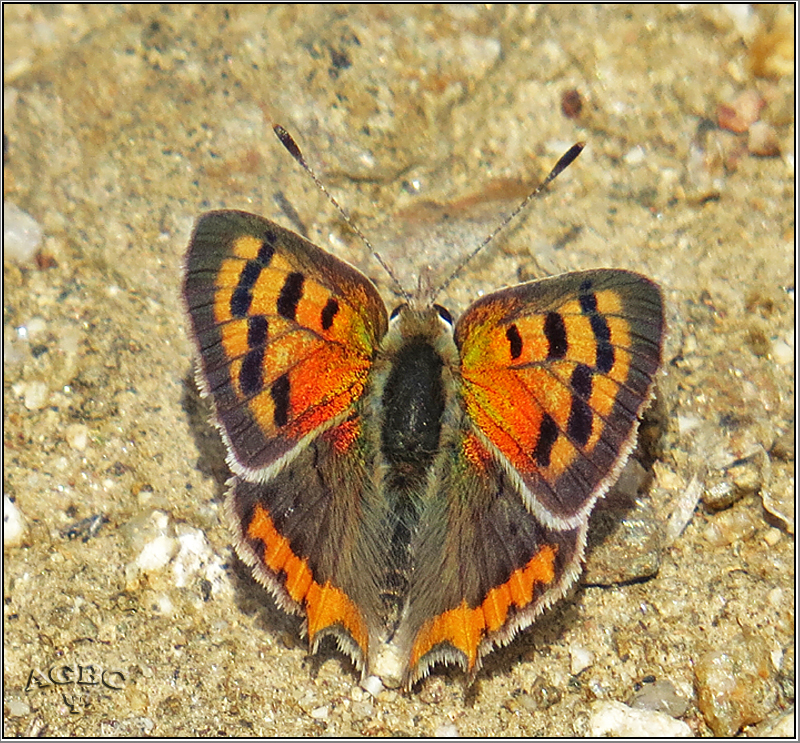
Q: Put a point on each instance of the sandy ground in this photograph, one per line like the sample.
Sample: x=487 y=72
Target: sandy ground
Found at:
x=123 y=124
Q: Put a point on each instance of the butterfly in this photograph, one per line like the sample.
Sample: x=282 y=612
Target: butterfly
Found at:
x=417 y=488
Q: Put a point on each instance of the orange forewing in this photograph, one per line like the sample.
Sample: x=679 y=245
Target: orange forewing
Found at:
x=555 y=374
x=286 y=333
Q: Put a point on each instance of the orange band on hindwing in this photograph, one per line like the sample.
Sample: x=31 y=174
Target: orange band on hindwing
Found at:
x=465 y=627
x=326 y=606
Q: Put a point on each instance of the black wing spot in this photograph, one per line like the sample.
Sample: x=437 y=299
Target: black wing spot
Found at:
x=548 y=435
x=280 y=398
x=242 y=296
x=329 y=311
x=514 y=341
x=602 y=333
x=257 y=331
x=556 y=333
x=267 y=249
x=579 y=424
x=290 y=296
x=251 y=376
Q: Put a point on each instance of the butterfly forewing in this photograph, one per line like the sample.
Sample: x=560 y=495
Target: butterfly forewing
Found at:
x=555 y=374
x=272 y=315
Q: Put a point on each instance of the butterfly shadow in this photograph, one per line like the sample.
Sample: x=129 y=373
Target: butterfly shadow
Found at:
x=253 y=600
x=210 y=446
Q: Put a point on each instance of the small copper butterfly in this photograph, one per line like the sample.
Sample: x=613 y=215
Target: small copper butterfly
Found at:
x=418 y=489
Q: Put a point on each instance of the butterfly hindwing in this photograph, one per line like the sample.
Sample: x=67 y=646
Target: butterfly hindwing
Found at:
x=555 y=374
x=485 y=567
x=273 y=316
x=302 y=533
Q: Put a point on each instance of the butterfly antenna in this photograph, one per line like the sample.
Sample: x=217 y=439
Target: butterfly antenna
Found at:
x=291 y=146
x=564 y=161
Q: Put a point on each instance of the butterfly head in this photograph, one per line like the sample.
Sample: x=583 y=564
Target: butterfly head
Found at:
x=413 y=319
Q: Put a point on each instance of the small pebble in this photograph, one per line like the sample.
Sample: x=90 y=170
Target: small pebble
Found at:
x=22 y=234
x=34 y=394
x=742 y=113
x=772 y=536
x=660 y=696
x=149 y=538
x=762 y=140
x=320 y=713
x=734 y=685
x=720 y=495
x=782 y=726
x=162 y=604
x=137 y=699
x=683 y=509
x=77 y=436
x=782 y=352
x=446 y=730
x=308 y=702
x=18 y=707
x=36 y=327
x=361 y=710
x=544 y=693
x=635 y=156
x=13 y=524
x=156 y=554
x=617 y=720
x=571 y=103
x=372 y=685
x=194 y=553
x=580 y=659
x=731 y=527
x=521 y=702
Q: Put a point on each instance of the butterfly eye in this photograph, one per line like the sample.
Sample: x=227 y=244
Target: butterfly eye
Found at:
x=396 y=311
x=444 y=313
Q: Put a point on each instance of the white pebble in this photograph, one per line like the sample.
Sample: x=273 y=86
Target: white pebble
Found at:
x=18 y=707
x=782 y=352
x=156 y=554
x=77 y=436
x=372 y=685
x=36 y=327
x=320 y=713
x=69 y=340
x=618 y=720
x=22 y=234
x=635 y=156
x=35 y=394
x=194 y=553
x=446 y=730
x=579 y=659
x=13 y=523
